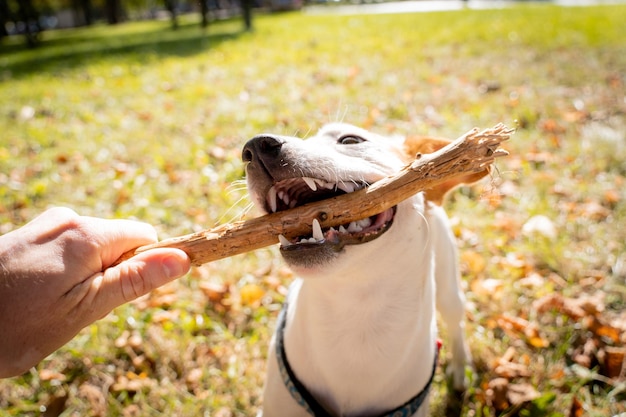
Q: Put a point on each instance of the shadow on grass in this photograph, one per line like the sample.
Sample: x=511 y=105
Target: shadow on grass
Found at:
x=63 y=50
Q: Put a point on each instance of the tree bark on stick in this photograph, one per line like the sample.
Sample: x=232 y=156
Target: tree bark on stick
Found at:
x=472 y=152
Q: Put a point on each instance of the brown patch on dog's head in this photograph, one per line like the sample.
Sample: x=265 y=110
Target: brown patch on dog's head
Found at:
x=414 y=145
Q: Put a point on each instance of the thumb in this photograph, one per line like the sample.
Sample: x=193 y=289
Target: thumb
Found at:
x=141 y=274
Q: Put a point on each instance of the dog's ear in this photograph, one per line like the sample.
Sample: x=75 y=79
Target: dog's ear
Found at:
x=423 y=144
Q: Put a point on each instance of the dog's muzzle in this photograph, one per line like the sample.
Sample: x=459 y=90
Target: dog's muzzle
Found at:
x=278 y=181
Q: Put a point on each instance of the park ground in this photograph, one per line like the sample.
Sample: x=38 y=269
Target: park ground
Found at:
x=141 y=121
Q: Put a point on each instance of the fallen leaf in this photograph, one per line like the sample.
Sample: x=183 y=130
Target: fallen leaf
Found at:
x=161 y=297
x=563 y=305
x=538 y=342
x=519 y=326
x=614 y=365
x=521 y=393
x=612 y=197
x=474 y=262
x=593 y=210
x=251 y=294
x=497 y=393
x=96 y=398
x=551 y=126
x=603 y=330
x=214 y=291
x=585 y=355
x=510 y=370
x=132 y=382
x=194 y=376
x=49 y=375
x=539 y=225
x=534 y=280
x=576 y=410
x=489 y=287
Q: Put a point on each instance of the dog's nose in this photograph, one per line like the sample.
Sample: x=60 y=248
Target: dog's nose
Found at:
x=261 y=147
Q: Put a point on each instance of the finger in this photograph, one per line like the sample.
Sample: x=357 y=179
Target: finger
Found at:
x=118 y=236
x=97 y=296
x=140 y=275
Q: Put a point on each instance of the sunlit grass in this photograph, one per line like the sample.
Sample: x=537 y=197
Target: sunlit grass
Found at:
x=142 y=121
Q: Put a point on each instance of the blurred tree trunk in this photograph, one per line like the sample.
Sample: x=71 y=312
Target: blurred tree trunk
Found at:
x=204 y=11
x=87 y=11
x=29 y=15
x=171 y=7
x=114 y=11
x=246 y=7
x=83 y=12
x=5 y=12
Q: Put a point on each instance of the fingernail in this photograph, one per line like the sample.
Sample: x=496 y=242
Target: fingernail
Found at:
x=173 y=267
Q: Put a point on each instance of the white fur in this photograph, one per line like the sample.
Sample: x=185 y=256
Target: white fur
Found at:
x=361 y=330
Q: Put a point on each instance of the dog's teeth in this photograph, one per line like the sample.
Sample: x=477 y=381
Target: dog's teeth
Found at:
x=342 y=229
x=311 y=183
x=364 y=223
x=353 y=227
x=329 y=185
x=283 y=241
x=271 y=195
x=348 y=187
x=317 y=230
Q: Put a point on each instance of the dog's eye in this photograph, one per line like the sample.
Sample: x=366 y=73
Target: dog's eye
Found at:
x=350 y=140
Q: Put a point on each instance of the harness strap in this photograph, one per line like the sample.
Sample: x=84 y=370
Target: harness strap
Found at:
x=307 y=401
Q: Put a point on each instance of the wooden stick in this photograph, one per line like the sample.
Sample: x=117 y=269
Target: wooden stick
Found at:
x=472 y=152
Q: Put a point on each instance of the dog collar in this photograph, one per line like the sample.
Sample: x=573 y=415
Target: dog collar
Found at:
x=307 y=401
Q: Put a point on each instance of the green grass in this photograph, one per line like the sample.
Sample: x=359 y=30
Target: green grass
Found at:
x=144 y=122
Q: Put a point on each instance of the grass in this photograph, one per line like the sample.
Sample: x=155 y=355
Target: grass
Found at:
x=144 y=122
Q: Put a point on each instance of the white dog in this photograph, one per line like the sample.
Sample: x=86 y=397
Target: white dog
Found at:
x=358 y=333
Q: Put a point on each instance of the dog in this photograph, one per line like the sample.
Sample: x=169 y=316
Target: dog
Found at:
x=358 y=334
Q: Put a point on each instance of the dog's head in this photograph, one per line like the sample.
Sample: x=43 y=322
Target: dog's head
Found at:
x=285 y=172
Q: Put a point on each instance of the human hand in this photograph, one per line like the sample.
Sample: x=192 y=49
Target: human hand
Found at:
x=56 y=278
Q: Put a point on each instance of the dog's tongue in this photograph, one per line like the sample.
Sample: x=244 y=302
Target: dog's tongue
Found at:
x=382 y=218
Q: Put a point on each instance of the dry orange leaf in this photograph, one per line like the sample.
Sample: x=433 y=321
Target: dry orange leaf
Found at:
x=251 y=293
x=497 y=393
x=521 y=393
x=215 y=292
x=614 y=362
x=576 y=410
x=563 y=305
x=612 y=196
x=538 y=342
x=474 y=261
x=603 y=330
x=518 y=325
x=49 y=375
x=490 y=287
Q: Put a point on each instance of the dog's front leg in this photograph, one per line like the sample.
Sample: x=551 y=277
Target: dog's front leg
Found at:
x=450 y=298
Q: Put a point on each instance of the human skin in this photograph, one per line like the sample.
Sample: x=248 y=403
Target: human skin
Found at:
x=56 y=277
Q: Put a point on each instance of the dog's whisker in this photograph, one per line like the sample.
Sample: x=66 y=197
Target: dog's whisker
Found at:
x=233 y=190
x=243 y=211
